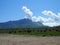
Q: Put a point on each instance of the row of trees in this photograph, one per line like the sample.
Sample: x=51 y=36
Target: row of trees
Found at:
x=10 y=30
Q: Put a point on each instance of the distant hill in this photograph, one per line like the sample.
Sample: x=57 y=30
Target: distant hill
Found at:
x=23 y=23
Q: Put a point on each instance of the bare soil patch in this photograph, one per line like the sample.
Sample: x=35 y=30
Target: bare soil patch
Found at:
x=7 y=39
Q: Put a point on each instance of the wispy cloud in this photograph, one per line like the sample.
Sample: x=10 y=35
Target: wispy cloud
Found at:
x=27 y=11
x=48 y=12
x=30 y=15
x=53 y=20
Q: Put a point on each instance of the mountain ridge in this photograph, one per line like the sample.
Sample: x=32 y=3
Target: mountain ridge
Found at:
x=23 y=23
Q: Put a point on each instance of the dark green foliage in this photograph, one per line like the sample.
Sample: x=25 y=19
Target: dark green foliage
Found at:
x=33 y=31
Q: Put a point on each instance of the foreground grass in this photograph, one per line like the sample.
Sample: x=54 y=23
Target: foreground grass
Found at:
x=35 y=33
x=38 y=33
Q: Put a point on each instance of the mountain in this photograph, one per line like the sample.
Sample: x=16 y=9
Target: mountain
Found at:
x=23 y=23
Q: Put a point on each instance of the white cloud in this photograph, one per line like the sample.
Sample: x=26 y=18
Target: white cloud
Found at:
x=50 y=13
x=27 y=11
x=25 y=17
x=51 y=24
x=53 y=20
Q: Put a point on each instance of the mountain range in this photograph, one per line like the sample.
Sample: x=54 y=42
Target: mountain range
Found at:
x=22 y=23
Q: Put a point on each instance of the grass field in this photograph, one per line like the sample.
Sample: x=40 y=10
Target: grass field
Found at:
x=38 y=33
x=32 y=31
x=52 y=33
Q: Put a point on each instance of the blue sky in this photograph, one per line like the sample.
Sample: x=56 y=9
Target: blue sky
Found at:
x=12 y=9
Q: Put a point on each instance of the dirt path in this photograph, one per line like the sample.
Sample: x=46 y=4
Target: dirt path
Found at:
x=28 y=40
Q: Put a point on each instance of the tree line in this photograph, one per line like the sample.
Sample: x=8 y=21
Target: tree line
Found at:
x=50 y=29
